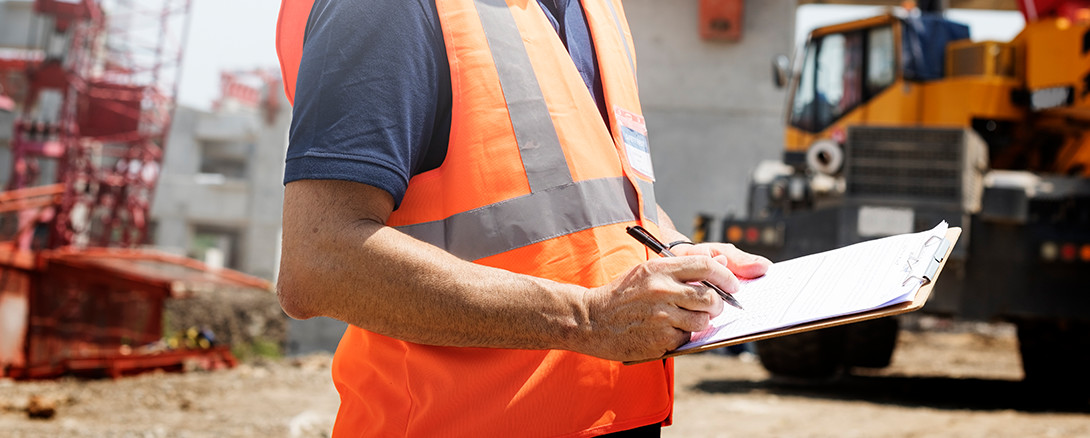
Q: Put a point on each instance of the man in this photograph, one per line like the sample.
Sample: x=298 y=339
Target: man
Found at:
x=458 y=184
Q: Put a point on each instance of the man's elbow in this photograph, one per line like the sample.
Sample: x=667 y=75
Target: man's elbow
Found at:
x=293 y=298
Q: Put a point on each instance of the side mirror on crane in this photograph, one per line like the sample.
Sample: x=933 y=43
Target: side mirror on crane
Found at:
x=780 y=68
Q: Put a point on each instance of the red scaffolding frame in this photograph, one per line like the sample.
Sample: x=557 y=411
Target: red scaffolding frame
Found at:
x=93 y=94
x=116 y=77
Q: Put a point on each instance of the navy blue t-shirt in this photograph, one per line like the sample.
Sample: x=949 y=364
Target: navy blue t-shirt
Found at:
x=373 y=95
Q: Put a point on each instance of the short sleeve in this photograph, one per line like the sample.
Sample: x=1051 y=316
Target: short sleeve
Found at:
x=370 y=93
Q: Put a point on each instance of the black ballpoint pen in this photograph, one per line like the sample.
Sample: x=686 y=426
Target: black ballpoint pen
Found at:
x=659 y=248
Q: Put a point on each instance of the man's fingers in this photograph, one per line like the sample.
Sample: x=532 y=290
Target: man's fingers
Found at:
x=691 y=271
x=742 y=263
x=655 y=307
x=696 y=249
x=692 y=321
x=700 y=298
x=695 y=269
x=683 y=338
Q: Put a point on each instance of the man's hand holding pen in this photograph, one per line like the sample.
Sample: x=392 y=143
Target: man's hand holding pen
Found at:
x=654 y=308
x=654 y=244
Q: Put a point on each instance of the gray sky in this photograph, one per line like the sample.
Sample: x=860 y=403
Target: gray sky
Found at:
x=239 y=35
x=225 y=35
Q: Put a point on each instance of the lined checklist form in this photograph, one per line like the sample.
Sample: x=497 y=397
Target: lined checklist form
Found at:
x=850 y=280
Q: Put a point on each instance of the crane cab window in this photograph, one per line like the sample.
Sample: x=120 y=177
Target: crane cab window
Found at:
x=880 y=59
x=839 y=72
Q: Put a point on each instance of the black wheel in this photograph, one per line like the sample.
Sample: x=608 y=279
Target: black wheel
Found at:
x=816 y=354
x=870 y=344
x=1056 y=356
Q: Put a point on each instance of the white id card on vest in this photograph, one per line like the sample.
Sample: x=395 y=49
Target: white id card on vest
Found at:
x=637 y=148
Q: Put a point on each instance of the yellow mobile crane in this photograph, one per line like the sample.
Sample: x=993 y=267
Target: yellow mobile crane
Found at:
x=899 y=121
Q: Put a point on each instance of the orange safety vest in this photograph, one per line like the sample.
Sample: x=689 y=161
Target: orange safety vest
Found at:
x=535 y=183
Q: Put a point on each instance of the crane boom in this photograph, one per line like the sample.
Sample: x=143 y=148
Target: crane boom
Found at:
x=1034 y=10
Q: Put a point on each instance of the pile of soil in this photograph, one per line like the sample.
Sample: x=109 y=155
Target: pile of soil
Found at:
x=949 y=381
x=249 y=320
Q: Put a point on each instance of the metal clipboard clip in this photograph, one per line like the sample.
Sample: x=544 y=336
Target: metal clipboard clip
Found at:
x=933 y=261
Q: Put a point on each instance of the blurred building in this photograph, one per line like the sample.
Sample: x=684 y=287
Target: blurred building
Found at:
x=16 y=21
x=706 y=89
x=220 y=194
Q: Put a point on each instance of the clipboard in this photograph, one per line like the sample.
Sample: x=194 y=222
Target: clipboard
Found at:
x=929 y=276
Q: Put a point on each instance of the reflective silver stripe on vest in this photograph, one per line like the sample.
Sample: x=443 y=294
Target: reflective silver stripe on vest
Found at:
x=624 y=41
x=535 y=133
x=529 y=219
x=650 y=206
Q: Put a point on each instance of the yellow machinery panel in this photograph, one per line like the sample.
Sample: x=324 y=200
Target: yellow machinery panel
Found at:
x=986 y=58
x=1054 y=53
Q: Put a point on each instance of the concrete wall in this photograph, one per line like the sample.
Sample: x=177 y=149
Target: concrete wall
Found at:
x=314 y=335
x=266 y=172
x=7 y=123
x=712 y=111
x=169 y=209
x=187 y=199
x=16 y=22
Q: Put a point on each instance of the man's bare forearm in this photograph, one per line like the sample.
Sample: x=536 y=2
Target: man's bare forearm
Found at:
x=344 y=263
x=340 y=260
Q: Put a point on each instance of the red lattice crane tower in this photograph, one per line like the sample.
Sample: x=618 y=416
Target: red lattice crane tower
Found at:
x=93 y=104
x=92 y=93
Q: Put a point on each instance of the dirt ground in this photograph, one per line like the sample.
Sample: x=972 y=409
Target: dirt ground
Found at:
x=942 y=383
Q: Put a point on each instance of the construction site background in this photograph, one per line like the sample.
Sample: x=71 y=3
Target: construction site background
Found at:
x=713 y=113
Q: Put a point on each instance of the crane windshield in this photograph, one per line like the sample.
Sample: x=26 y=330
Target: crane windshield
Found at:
x=839 y=72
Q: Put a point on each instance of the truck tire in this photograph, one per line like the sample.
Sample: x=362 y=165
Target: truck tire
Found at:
x=1056 y=356
x=817 y=354
x=870 y=344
